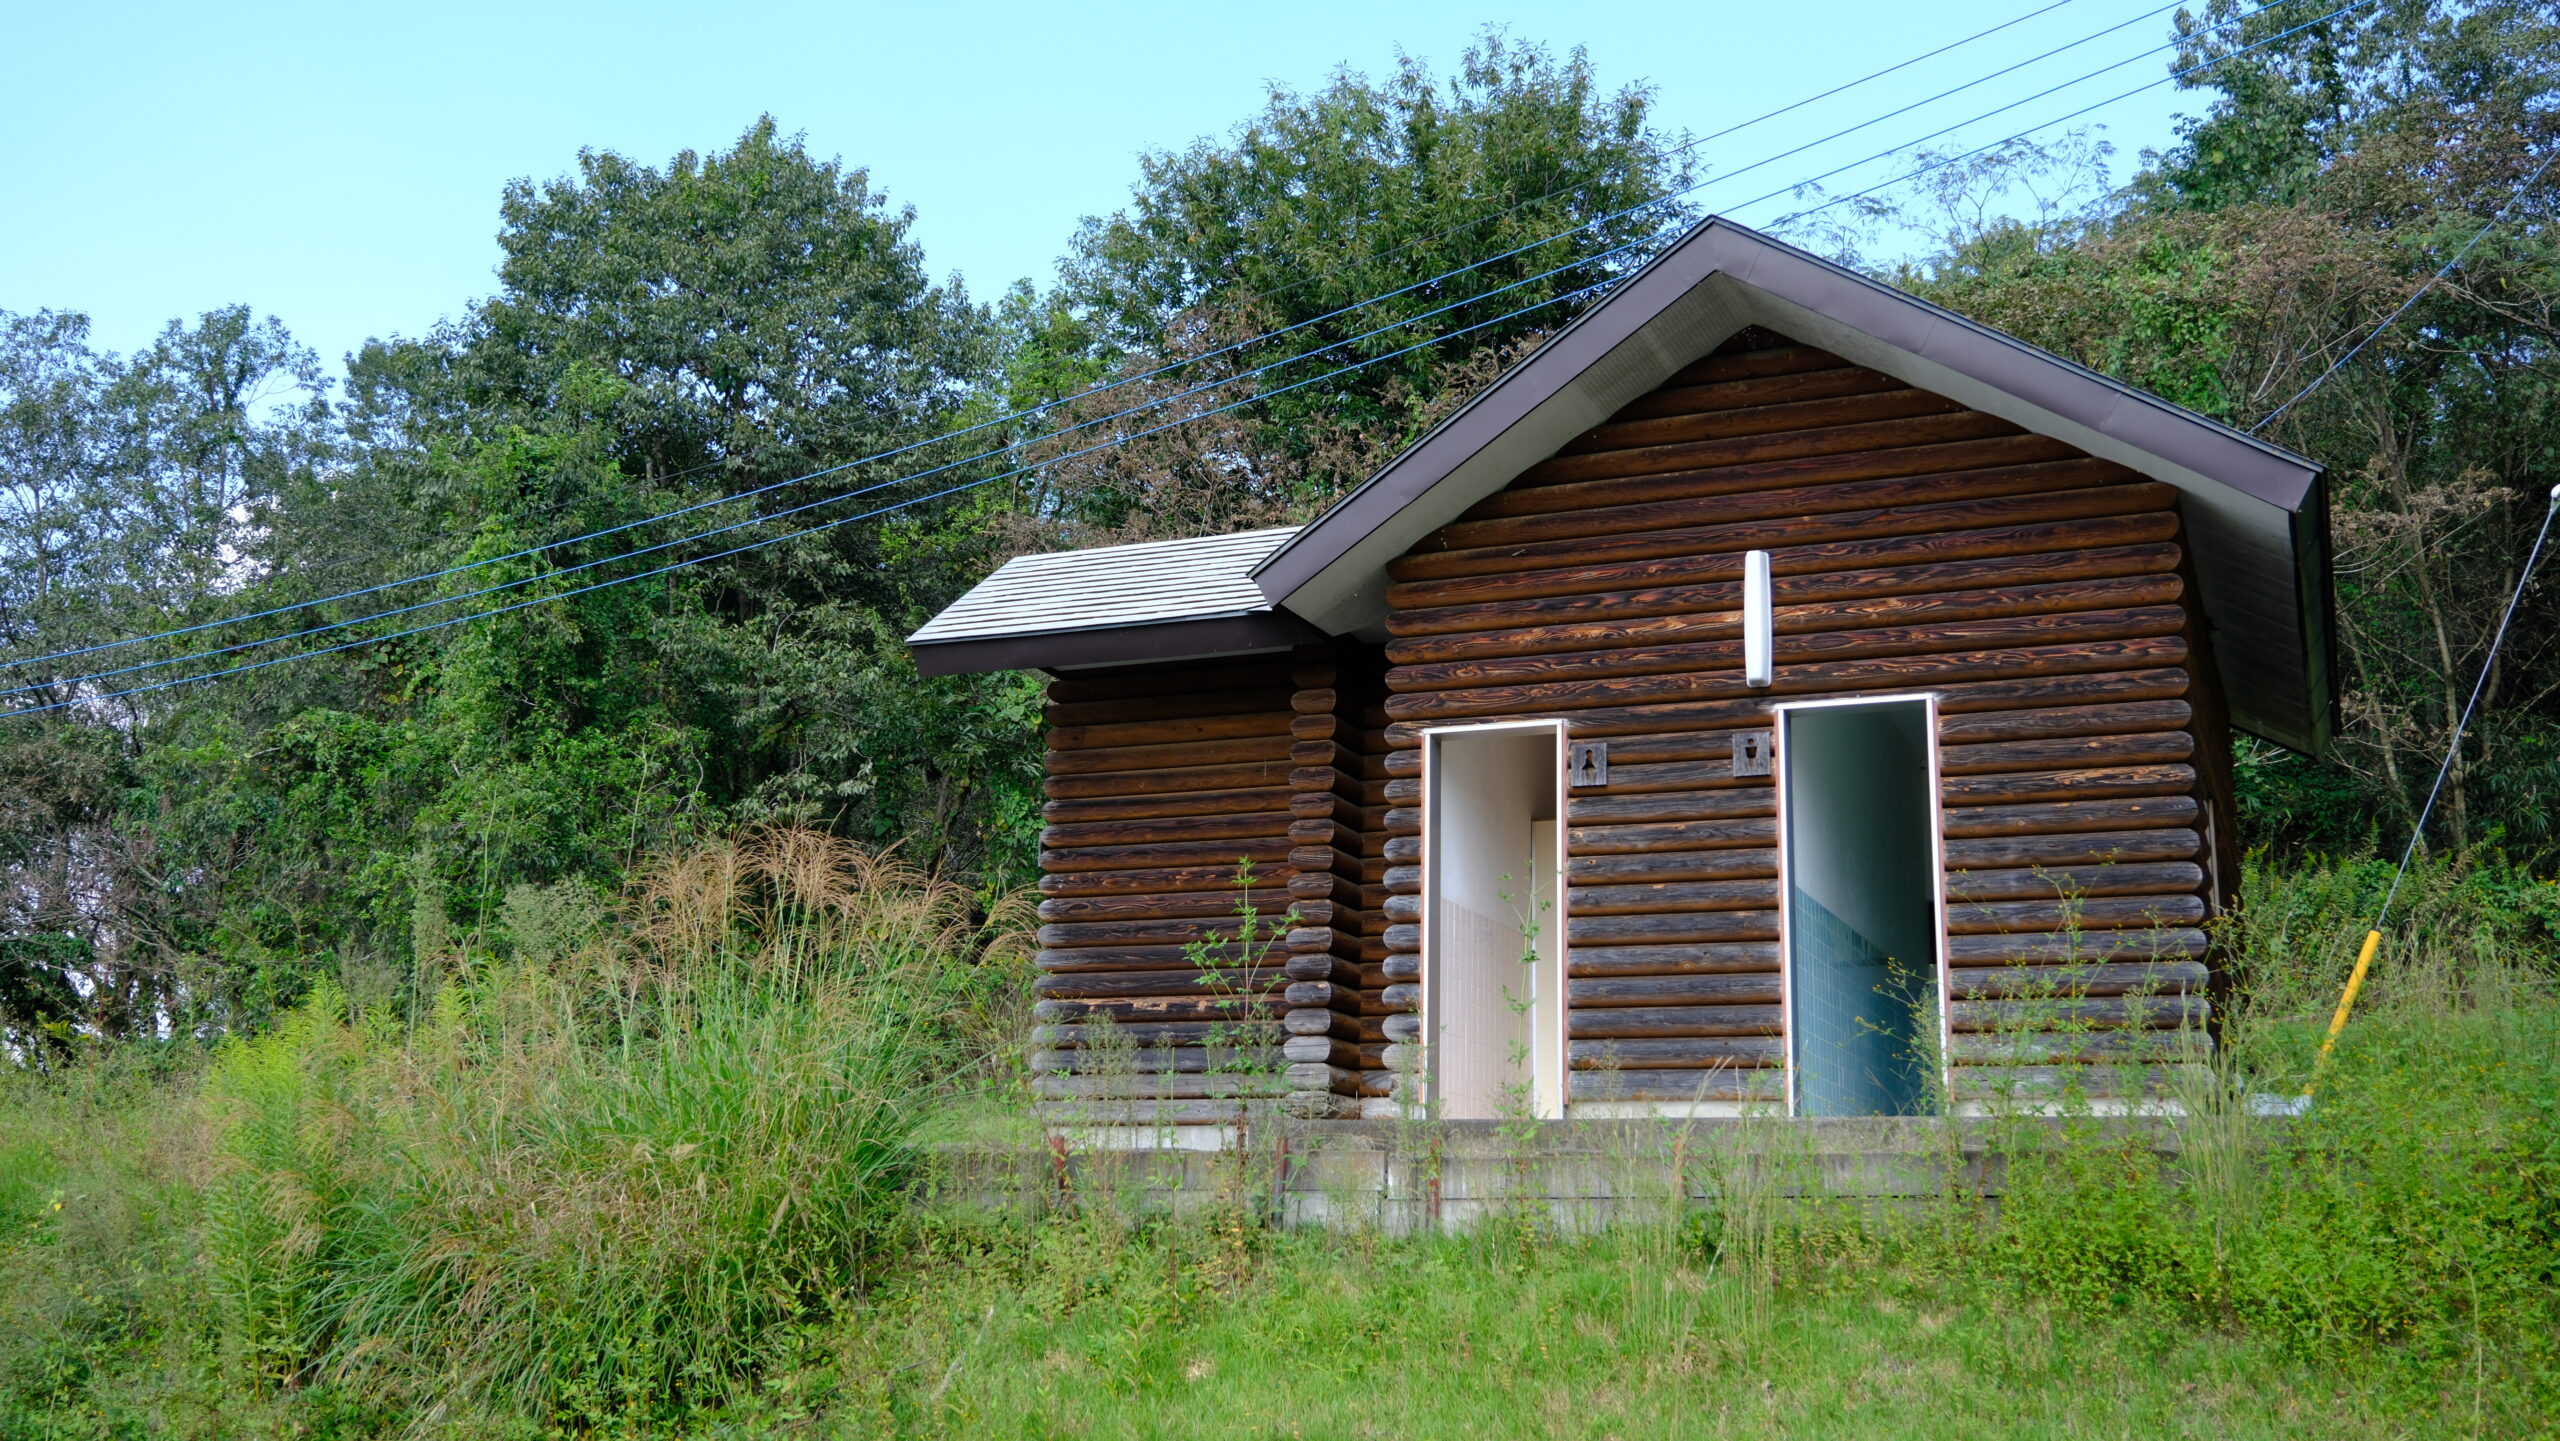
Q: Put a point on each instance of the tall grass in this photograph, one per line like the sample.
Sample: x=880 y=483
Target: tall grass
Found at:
x=604 y=1183
x=2417 y=1199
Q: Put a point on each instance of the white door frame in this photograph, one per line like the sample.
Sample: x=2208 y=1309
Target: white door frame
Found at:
x=1937 y=860
x=1550 y=1026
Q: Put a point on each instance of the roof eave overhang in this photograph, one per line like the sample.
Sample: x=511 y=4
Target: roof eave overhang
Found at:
x=2255 y=515
x=1192 y=638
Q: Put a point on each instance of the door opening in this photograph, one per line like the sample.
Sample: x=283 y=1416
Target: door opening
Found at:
x=1862 y=896
x=1493 y=1012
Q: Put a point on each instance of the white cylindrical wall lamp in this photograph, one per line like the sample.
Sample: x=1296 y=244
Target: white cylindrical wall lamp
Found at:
x=1759 y=643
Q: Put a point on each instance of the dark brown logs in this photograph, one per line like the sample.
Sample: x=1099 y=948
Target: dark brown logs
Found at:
x=2167 y=878
x=1186 y=981
x=2103 y=913
x=1815 y=375
x=1733 y=925
x=1153 y=881
x=1746 y=991
x=1116 y=958
x=2074 y=947
x=2030 y=1048
x=1140 y=1034
x=1973 y=822
x=1820 y=376
x=1234 y=854
x=1979 y=471
x=1583 y=841
x=1173 y=907
x=1162 y=757
x=1591 y=623
x=1260 y=825
x=2107 y=783
x=1156 y=1086
x=1183 y=803
x=2164 y=747
x=1730 y=957
x=1520 y=571
x=1168 y=732
x=1909 y=607
x=1975 y=983
x=1656 y=807
x=1988 y=627
x=1862 y=395
x=2097 y=652
x=1177 y=1060
x=2009 y=695
x=1683 y=1053
x=1321 y=1021
x=1146 y=933
x=1712 y=582
x=1148 y=1009
x=1639 y=480
x=2014 y=852
x=1650 y=866
x=1959 y=728
x=1673 y=896
x=1735 y=1082
x=1644 y=1022
x=1573 y=477
x=1168 y=782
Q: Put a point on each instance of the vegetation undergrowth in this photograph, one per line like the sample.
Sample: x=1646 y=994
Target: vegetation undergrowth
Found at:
x=655 y=1172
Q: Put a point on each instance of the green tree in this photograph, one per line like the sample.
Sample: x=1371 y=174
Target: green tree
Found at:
x=1327 y=200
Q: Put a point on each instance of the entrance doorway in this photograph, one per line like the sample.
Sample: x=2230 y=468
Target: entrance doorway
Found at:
x=1493 y=997
x=1861 y=892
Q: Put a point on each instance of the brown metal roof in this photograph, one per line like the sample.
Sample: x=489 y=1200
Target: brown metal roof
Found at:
x=2256 y=515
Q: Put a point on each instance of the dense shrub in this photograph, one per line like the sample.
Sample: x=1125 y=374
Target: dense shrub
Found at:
x=599 y=1184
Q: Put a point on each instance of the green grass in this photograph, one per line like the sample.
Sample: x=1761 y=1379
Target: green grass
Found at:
x=654 y=1181
x=1588 y=1339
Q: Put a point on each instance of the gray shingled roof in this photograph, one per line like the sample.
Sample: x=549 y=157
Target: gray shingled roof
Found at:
x=1122 y=585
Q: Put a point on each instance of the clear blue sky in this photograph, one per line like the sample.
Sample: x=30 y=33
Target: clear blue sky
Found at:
x=339 y=165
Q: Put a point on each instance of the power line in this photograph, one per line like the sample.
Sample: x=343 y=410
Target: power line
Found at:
x=769 y=517
x=1733 y=129
x=1022 y=470
x=2429 y=284
x=2452 y=751
x=1943 y=162
x=1032 y=412
x=771 y=540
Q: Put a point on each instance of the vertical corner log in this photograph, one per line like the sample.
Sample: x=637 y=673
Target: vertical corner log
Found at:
x=1335 y=682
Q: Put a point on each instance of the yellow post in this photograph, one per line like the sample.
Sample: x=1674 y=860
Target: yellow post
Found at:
x=2347 y=1000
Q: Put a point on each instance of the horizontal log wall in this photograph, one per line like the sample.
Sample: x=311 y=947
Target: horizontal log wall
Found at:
x=1917 y=546
x=1165 y=783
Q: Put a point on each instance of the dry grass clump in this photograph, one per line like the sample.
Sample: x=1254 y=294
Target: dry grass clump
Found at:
x=611 y=1173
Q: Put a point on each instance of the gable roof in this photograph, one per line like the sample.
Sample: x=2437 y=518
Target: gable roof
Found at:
x=1158 y=600
x=2255 y=515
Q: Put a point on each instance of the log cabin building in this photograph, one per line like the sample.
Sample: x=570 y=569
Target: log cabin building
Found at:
x=1775 y=690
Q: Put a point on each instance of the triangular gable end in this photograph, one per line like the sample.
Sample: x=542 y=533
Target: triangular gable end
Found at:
x=2255 y=515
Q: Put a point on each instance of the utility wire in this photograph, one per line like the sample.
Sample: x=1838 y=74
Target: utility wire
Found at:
x=2418 y=831
x=1127 y=411
x=771 y=516
x=1691 y=144
x=2488 y=666
x=1022 y=470
x=1944 y=161
x=1034 y=412
x=774 y=540
x=2429 y=284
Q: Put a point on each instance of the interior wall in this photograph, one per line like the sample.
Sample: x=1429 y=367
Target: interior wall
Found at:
x=1488 y=791
x=1862 y=944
